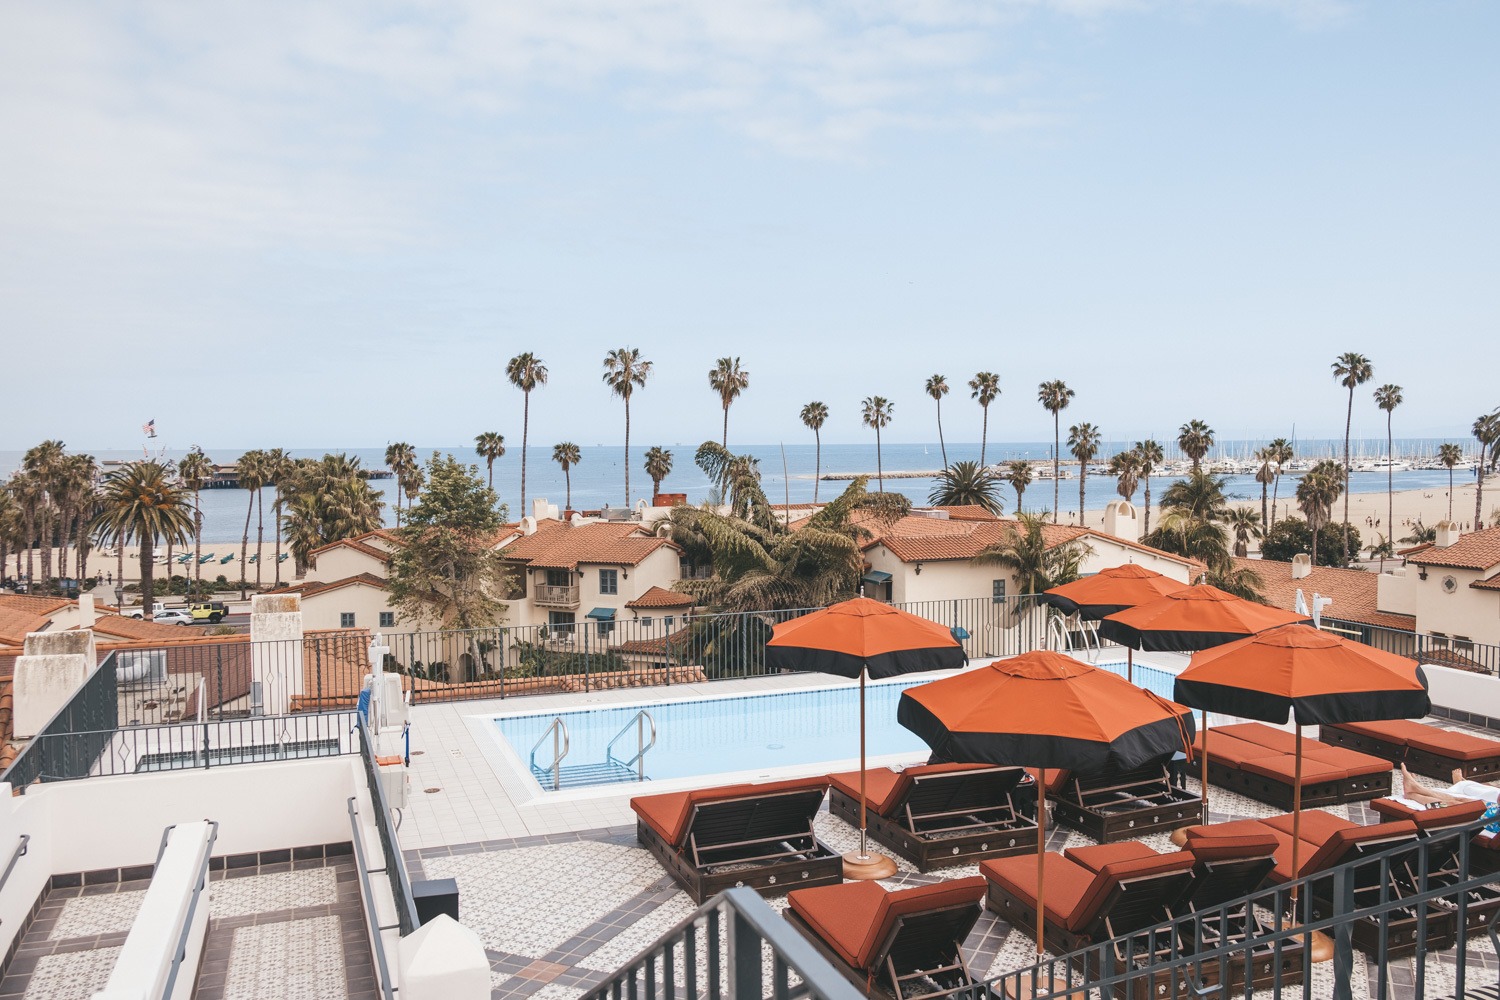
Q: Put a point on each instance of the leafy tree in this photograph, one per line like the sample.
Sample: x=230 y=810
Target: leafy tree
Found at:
x=1421 y=534
x=567 y=455
x=658 y=466
x=1023 y=550
x=1125 y=466
x=1195 y=438
x=1265 y=474
x=1151 y=457
x=1018 y=474
x=967 y=483
x=490 y=445
x=937 y=388
x=143 y=503
x=401 y=459
x=327 y=500
x=1055 y=397
x=253 y=475
x=736 y=480
x=1487 y=433
x=814 y=415
x=1245 y=525
x=1388 y=397
x=625 y=371
x=985 y=387
x=728 y=379
x=44 y=464
x=876 y=412
x=1195 y=523
x=1450 y=455
x=1083 y=442
x=1317 y=492
x=526 y=372
x=196 y=471
x=1350 y=369
x=278 y=472
x=1291 y=536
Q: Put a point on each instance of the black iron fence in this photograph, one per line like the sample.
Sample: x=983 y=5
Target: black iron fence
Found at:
x=1424 y=647
x=394 y=863
x=88 y=720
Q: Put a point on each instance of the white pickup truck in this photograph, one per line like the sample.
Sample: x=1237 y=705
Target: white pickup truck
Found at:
x=157 y=607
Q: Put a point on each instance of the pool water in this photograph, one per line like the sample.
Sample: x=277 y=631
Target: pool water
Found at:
x=750 y=733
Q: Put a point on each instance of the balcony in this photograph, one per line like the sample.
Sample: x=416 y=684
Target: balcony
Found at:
x=552 y=596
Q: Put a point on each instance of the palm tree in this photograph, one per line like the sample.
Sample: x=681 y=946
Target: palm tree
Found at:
x=526 y=372
x=658 y=466
x=1055 y=397
x=490 y=445
x=1194 y=512
x=1350 y=369
x=728 y=379
x=196 y=471
x=1281 y=453
x=567 y=455
x=1018 y=474
x=814 y=415
x=1316 y=494
x=400 y=458
x=1195 y=438
x=1083 y=441
x=73 y=488
x=1244 y=523
x=624 y=372
x=252 y=475
x=44 y=463
x=1450 y=455
x=1265 y=474
x=1151 y=456
x=937 y=388
x=1023 y=550
x=1125 y=466
x=29 y=496
x=142 y=503
x=876 y=413
x=985 y=387
x=1487 y=433
x=967 y=484
x=10 y=528
x=1388 y=397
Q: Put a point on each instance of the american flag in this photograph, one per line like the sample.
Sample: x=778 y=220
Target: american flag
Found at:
x=149 y=428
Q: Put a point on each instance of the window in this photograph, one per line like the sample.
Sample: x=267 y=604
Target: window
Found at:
x=559 y=578
x=997 y=591
x=609 y=581
x=561 y=622
x=387 y=619
x=646 y=622
x=346 y=619
x=667 y=622
x=605 y=627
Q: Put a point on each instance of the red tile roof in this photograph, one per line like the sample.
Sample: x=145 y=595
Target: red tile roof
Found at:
x=1493 y=583
x=310 y=587
x=559 y=545
x=20 y=614
x=136 y=628
x=1477 y=550
x=1354 y=591
x=658 y=597
x=357 y=546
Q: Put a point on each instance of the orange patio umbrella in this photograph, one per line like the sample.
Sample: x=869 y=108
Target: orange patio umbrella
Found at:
x=1111 y=590
x=1310 y=677
x=857 y=638
x=1044 y=710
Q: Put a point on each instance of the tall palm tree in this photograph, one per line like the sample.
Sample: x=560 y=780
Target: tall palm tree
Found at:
x=875 y=411
x=142 y=503
x=814 y=415
x=526 y=372
x=400 y=458
x=1317 y=492
x=1083 y=441
x=1265 y=474
x=658 y=466
x=1023 y=550
x=967 y=484
x=1151 y=456
x=1244 y=524
x=625 y=371
x=1388 y=397
x=1125 y=466
x=985 y=387
x=73 y=488
x=937 y=388
x=1350 y=369
x=1281 y=453
x=252 y=476
x=10 y=528
x=728 y=379
x=490 y=445
x=279 y=470
x=1487 y=433
x=1195 y=438
x=1055 y=397
x=567 y=455
x=1450 y=455
x=29 y=495
x=196 y=471
x=1018 y=474
x=44 y=463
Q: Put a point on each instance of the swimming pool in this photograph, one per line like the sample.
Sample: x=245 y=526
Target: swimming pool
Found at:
x=757 y=734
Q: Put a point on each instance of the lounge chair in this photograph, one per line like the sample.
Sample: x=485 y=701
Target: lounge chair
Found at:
x=1259 y=761
x=892 y=944
x=936 y=815
x=1114 y=804
x=206 y=559
x=227 y=559
x=1443 y=862
x=1082 y=905
x=711 y=839
x=1437 y=753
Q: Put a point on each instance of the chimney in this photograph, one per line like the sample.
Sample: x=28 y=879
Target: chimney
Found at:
x=1121 y=520
x=528 y=525
x=1447 y=534
x=541 y=510
x=1301 y=565
x=86 y=614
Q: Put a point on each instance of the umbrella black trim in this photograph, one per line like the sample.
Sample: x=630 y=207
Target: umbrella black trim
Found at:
x=901 y=661
x=1093 y=612
x=1153 y=641
x=1313 y=710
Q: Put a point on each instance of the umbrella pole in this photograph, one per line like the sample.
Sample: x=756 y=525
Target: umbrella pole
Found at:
x=1296 y=814
x=1041 y=857
x=862 y=865
x=1203 y=759
x=1130 y=664
x=864 y=850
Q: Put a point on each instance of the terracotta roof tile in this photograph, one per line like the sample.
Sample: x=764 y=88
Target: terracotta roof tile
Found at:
x=310 y=587
x=1353 y=591
x=658 y=597
x=558 y=545
x=135 y=628
x=21 y=614
x=357 y=546
x=1493 y=583
x=1477 y=550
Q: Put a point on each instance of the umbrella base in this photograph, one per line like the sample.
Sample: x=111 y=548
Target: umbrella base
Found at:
x=1024 y=990
x=869 y=867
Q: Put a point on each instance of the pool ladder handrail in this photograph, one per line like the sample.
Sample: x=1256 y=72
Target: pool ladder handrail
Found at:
x=560 y=747
x=640 y=721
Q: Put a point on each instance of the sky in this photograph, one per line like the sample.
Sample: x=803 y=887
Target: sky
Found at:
x=328 y=223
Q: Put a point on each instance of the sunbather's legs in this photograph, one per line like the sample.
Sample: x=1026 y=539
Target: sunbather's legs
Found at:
x=1418 y=792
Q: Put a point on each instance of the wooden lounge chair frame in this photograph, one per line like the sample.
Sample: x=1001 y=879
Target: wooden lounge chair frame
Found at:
x=948 y=818
x=1280 y=794
x=764 y=840
x=937 y=933
x=1131 y=904
x=1116 y=804
x=1424 y=762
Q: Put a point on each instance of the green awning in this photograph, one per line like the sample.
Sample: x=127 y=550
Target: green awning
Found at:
x=602 y=614
x=876 y=576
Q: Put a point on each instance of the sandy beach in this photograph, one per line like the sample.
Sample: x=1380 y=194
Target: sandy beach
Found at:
x=105 y=561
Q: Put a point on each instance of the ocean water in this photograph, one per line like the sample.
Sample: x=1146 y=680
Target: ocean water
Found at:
x=599 y=478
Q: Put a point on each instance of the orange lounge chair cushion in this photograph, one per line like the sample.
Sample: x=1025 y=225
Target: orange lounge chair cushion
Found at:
x=1231 y=751
x=669 y=812
x=1316 y=826
x=1459 y=746
x=1263 y=735
x=1056 y=779
x=1256 y=844
x=1067 y=882
x=855 y=918
x=1337 y=849
x=1283 y=768
x=1199 y=838
x=1095 y=856
x=1116 y=872
x=1354 y=763
x=1396 y=731
x=885 y=789
x=1427 y=819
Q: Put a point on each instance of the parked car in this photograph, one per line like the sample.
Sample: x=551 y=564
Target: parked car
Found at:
x=176 y=616
x=209 y=611
x=157 y=607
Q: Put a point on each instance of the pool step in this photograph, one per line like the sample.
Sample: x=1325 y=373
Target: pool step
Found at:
x=583 y=775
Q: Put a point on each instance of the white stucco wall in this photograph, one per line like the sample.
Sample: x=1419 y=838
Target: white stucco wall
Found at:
x=342 y=562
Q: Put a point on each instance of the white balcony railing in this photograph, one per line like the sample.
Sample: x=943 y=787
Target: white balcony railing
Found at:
x=552 y=596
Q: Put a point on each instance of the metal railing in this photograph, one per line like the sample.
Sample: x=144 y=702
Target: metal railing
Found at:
x=372 y=918
x=70 y=742
x=1417 y=899
x=724 y=949
x=23 y=844
x=1424 y=647
x=560 y=747
x=200 y=884
x=395 y=864
x=555 y=596
x=640 y=721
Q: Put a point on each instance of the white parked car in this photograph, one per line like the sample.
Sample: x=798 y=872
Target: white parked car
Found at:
x=176 y=616
x=157 y=608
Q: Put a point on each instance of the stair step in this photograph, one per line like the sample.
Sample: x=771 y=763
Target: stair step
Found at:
x=584 y=775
